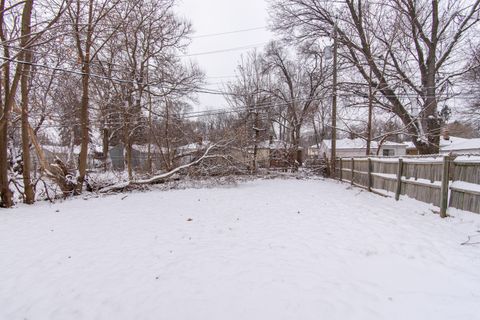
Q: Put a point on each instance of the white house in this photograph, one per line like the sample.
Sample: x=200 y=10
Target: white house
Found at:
x=346 y=148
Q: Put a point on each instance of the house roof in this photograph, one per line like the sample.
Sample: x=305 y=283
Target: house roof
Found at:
x=459 y=144
x=274 y=144
x=194 y=146
x=452 y=142
x=410 y=145
x=143 y=148
x=358 y=143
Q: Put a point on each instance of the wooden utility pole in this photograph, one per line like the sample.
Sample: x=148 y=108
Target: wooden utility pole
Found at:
x=334 y=103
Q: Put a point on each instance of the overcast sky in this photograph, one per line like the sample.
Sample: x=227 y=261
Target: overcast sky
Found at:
x=220 y=16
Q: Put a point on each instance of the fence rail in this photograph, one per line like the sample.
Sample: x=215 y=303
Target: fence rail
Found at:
x=444 y=181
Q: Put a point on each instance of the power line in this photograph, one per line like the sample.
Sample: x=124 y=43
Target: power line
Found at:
x=224 y=50
x=228 y=32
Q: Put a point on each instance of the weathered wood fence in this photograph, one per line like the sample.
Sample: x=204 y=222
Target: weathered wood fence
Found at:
x=444 y=181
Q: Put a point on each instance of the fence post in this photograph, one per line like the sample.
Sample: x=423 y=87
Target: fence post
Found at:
x=353 y=170
x=399 y=179
x=369 y=174
x=444 y=189
x=340 y=173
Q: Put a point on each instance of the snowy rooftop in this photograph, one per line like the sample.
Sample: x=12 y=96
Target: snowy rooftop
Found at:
x=358 y=143
x=274 y=144
x=194 y=146
x=143 y=148
x=459 y=144
x=55 y=149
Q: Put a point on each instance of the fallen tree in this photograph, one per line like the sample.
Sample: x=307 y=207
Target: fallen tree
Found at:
x=164 y=176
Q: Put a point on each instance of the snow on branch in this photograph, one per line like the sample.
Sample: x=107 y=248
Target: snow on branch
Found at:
x=162 y=177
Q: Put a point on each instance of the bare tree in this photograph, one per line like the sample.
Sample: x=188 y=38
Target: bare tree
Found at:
x=298 y=86
x=418 y=41
x=85 y=19
x=16 y=35
x=249 y=93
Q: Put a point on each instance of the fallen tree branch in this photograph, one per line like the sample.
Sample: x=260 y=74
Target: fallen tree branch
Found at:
x=162 y=177
x=468 y=241
x=57 y=172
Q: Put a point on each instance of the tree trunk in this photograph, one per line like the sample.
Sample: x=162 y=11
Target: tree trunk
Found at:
x=27 y=57
x=6 y=193
x=255 y=144
x=296 y=145
x=128 y=148
x=83 y=157
x=105 y=148
x=84 y=119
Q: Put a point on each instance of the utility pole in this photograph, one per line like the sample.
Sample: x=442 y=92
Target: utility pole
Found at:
x=333 y=155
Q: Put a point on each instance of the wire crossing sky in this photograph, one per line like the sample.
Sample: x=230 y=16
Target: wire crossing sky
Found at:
x=224 y=30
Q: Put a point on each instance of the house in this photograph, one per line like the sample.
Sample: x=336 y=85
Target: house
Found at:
x=276 y=154
x=190 y=152
x=68 y=154
x=411 y=148
x=139 y=157
x=452 y=145
x=64 y=153
x=346 y=148
x=457 y=145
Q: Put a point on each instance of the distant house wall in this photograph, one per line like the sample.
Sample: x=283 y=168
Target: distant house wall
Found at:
x=139 y=159
x=393 y=150
x=117 y=158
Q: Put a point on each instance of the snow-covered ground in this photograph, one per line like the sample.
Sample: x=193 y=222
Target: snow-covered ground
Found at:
x=266 y=249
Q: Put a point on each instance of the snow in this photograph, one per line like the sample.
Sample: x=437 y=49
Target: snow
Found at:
x=465 y=186
x=421 y=160
x=451 y=141
x=460 y=145
x=143 y=148
x=275 y=144
x=194 y=147
x=61 y=149
x=265 y=249
x=359 y=143
x=411 y=180
x=467 y=159
x=386 y=160
x=423 y=182
x=385 y=175
x=58 y=149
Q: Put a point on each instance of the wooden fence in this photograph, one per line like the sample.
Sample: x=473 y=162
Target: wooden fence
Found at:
x=444 y=181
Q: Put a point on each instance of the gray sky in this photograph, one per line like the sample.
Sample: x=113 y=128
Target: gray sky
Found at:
x=219 y=16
